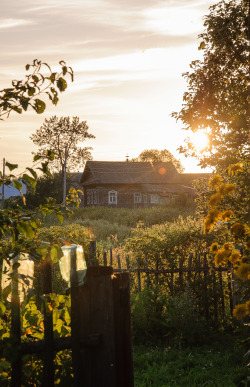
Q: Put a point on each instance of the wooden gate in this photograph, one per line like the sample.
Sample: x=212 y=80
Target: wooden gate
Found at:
x=100 y=331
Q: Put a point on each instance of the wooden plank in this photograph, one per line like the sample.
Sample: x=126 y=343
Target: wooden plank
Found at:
x=119 y=261
x=96 y=315
x=48 y=354
x=15 y=330
x=93 y=258
x=123 y=335
x=111 y=257
x=146 y=270
x=75 y=322
x=138 y=274
x=104 y=258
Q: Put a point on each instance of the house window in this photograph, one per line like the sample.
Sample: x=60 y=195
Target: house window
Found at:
x=154 y=198
x=112 y=197
x=91 y=197
x=145 y=198
x=137 y=197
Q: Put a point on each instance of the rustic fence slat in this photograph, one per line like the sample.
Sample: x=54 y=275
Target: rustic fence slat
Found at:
x=138 y=275
x=205 y=276
x=119 y=261
x=48 y=353
x=16 y=367
x=157 y=270
x=147 y=273
x=105 y=258
x=75 y=322
x=110 y=257
x=190 y=259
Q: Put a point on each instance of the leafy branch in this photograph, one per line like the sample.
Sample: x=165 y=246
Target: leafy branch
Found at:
x=23 y=93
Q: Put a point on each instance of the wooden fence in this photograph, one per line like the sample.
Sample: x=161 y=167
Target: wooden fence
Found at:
x=215 y=288
x=100 y=330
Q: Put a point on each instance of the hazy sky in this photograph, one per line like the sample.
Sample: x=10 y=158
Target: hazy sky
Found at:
x=128 y=57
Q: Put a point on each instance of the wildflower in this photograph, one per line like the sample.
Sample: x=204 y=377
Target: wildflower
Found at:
x=215 y=181
x=227 y=215
x=247 y=245
x=240 y=311
x=227 y=246
x=214 y=199
x=238 y=229
x=214 y=247
x=235 y=256
x=220 y=257
x=226 y=189
x=213 y=215
x=233 y=169
x=243 y=271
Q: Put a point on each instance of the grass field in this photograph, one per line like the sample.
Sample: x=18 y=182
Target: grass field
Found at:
x=217 y=365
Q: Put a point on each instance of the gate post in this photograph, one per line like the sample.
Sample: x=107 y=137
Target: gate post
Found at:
x=103 y=303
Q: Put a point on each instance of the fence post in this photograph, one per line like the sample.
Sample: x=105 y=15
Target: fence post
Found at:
x=16 y=366
x=48 y=368
x=146 y=270
x=92 y=250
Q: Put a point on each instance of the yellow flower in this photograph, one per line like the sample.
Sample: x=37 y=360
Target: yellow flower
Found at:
x=243 y=271
x=227 y=215
x=220 y=257
x=214 y=215
x=235 y=257
x=226 y=189
x=247 y=245
x=240 y=311
x=214 y=199
x=227 y=246
x=233 y=169
x=238 y=229
x=215 y=181
x=214 y=247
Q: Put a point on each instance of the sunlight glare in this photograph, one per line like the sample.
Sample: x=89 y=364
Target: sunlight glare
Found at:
x=199 y=140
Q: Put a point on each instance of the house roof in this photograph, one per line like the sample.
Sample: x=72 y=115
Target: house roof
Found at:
x=123 y=172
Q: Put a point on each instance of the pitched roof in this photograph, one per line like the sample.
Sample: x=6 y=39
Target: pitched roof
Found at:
x=123 y=172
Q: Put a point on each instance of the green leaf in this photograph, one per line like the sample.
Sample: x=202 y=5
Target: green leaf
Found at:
x=26 y=229
x=61 y=84
x=17 y=185
x=2 y=308
x=11 y=166
x=31 y=91
x=60 y=218
x=202 y=46
x=27 y=67
x=36 y=157
x=25 y=103
x=29 y=180
x=39 y=106
x=55 y=253
x=50 y=154
x=33 y=172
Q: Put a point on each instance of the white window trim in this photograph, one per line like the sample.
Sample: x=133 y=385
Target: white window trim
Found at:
x=137 y=197
x=112 y=197
x=154 y=198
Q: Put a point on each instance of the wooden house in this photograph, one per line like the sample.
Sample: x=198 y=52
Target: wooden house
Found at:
x=131 y=184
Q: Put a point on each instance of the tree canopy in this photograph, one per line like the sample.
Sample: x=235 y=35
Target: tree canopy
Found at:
x=156 y=155
x=218 y=95
x=41 y=80
x=60 y=134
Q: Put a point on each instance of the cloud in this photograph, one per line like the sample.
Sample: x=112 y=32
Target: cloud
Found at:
x=12 y=23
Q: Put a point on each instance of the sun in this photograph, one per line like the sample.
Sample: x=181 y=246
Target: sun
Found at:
x=199 y=140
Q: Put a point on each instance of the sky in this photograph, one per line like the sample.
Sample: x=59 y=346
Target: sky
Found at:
x=128 y=57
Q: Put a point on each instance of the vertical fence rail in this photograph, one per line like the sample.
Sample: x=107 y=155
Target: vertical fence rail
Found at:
x=48 y=368
x=16 y=367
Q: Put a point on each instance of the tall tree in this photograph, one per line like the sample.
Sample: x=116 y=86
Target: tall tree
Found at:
x=218 y=93
x=156 y=155
x=63 y=137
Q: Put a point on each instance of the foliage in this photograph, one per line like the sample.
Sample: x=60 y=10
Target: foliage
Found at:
x=236 y=249
x=217 y=100
x=171 y=241
x=24 y=93
x=63 y=136
x=156 y=155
